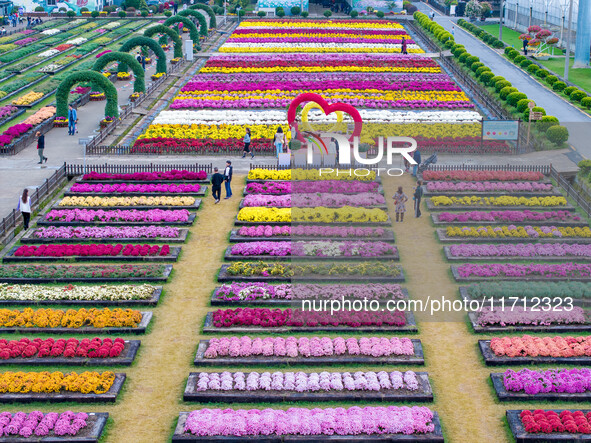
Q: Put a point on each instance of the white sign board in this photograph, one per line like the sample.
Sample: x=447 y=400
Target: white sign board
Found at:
x=189 y=50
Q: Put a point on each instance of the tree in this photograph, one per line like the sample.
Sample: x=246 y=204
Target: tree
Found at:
x=327 y=13
x=296 y=10
x=71 y=13
x=261 y=14
x=473 y=9
x=486 y=10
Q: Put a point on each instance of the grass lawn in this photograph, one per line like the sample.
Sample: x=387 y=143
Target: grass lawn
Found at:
x=580 y=77
x=510 y=37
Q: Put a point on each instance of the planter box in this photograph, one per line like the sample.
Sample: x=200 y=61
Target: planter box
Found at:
x=125 y=359
x=143 y=182
x=454 y=271
x=152 y=301
x=416 y=359
x=573 y=223
x=140 y=329
x=229 y=257
x=443 y=238
x=504 y=395
x=209 y=328
x=189 y=222
x=449 y=208
x=521 y=436
x=201 y=193
x=163 y=277
x=423 y=394
x=434 y=437
x=234 y=238
x=491 y=359
x=36 y=102
x=182 y=238
x=553 y=192
x=223 y=276
x=370 y=224
x=173 y=256
x=529 y=328
x=486 y=302
x=380 y=190
x=556 y=258
x=29 y=397
x=383 y=207
x=378 y=179
x=193 y=207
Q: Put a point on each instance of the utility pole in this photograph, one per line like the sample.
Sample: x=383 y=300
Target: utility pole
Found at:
x=568 y=40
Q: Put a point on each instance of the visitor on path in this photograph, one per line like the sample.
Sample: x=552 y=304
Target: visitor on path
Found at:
x=228 y=179
x=404 y=46
x=141 y=58
x=216 y=184
x=24 y=205
x=453 y=30
x=247 y=144
x=525 y=42
x=431 y=15
x=72 y=120
x=3 y=31
x=175 y=7
x=279 y=141
x=41 y=147
x=400 y=199
x=417 y=157
x=417 y=198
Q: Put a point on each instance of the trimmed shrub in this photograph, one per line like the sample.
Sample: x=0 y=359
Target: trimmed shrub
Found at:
x=296 y=10
x=261 y=13
x=511 y=52
x=522 y=104
x=504 y=93
x=39 y=9
x=534 y=109
x=354 y=14
x=167 y=13
x=93 y=14
x=476 y=65
x=551 y=79
x=532 y=69
x=577 y=96
x=458 y=51
x=568 y=90
x=480 y=70
x=462 y=58
x=542 y=73
x=559 y=86
x=557 y=134
x=546 y=122
x=71 y=13
x=380 y=14
x=518 y=59
x=525 y=63
x=280 y=12
x=496 y=78
x=585 y=166
x=305 y=14
x=586 y=102
x=144 y=13
x=486 y=77
x=471 y=59
x=327 y=13
x=515 y=97
x=84 y=9
x=502 y=84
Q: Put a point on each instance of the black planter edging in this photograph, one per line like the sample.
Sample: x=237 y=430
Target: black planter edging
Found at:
x=140 y=329
x=235 y=238
x=522 y=436
x=33 y=83
x=436 y=436
x=193 y=207
x=492 y=360
x=555 y=258
x=143 y=182
x=454 y=271
x=255 y=223
x=125 y=359
x=229 y=257
x=572 y=223
x=449 y=208
x=189 y=222
x=200 y=193
x=443 y=238
x=380 y=190
x=382 y=207
x=423 y=394
x=163 y=277
x=416 y=359
x=182 y=238
x=553 y=193
x=472 y=316
x=110 y=396
x=152 y=301
x=263 y=302
x=173 y=256
x=223 y=276
x=209 y=328
x=504 y=395
x=497 y=302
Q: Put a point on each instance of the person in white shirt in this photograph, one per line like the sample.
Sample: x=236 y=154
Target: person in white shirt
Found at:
x=24 y=204
x=279 y=141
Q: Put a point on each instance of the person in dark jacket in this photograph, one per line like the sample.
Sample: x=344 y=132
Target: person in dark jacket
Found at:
x=216 y=184
x=417 y=157
x=525 y=42
x=417 y=198
x=228 y=179
x=41 y=147
x=403 y=46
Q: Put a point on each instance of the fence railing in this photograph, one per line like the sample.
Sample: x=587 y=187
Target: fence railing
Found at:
x=72 y=170
x=306 y=166
x=9 y=223
x=544 y=169
x=570 y=191
x=165 y=150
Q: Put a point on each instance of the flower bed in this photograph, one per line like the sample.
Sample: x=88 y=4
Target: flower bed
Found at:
x=301 y=386
x=11 y=294
x=542 y=251
x=269 y=232
x=130 y=216
x=172 y=175
x=514 y=187
x=562 y=271
x=345 y=214
x=91 y=273
x=366 y=199
x=132 y=188
x=512 y=233
x=321 y=424
x=227 y=351
x=549 y=425
x=434 y=203
x=482 y=175
x=305 y=187
x=126 y=202
x=69 y=233
x=558 y=218
x=307 y=174
x=263 y=271
x=311 y=249
x=92 y=252
x=53 y=425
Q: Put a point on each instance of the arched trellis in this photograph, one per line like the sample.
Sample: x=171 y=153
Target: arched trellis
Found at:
x=63 y=91
x=144 y=41
x=209 y=11
x=139 y=84
x=200 y=18
x=193 y=33
x=176 y=41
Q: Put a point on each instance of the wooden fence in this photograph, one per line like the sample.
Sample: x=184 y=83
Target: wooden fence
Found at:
x=544 y=169
x=73 y=170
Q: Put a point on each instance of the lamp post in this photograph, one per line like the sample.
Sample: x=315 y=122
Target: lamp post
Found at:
x=501 y=16
x=568 y=39
x=225 y=12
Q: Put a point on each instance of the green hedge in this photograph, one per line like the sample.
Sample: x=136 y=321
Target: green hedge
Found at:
x=577 y=96
x=200 y=18
x=514 y=97
x=144 y=41
x=559 y=86
x=557 y=134
x=586 y=102
x=486 y=77
x=63 y=91
x=176 y=41
x=530 y=289
x=193 y=32
x=139 y=83
x=209 y=11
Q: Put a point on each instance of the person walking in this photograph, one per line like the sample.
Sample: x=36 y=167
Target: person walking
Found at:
x=41 y=147
x=216 y=184
x=24 y=205
x=525 y=42
x=453 y=30
x=247 y=144
x=400 y=199
x=417 y=157
x=279 y=141
x=72 y=120
x=403 y=49
x=417 y=198
x=175 y=7
x=228 y=179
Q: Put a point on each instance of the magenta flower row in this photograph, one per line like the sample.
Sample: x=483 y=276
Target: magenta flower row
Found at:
x=518 y=316
x=309 y=231
x=92 y=250
x=99 y=232
x=316 y=249
x=40 y=425
x=365 y=199
x=489 y=186
x=137 y=188
x=521 y=250
x=310 y=187
x=507 y=216
x=307 y=346
x=118 y=215
x=562 y=270
x=173 y=174
x=552 y=380
x=296 y=30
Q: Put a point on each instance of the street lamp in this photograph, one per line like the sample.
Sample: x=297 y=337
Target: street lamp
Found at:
x=501 y=17
x=568 y=40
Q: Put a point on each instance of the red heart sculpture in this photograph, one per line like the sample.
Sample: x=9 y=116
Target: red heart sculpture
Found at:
x=327 y=108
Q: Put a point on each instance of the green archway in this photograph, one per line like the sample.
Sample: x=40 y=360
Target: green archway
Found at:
x=193 y=33
x=176 y=41
x=144 y=41
x=139 y=84
x=200 y=18
x=209 y=11
x=63 y=91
